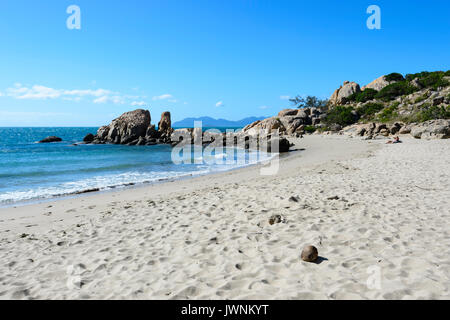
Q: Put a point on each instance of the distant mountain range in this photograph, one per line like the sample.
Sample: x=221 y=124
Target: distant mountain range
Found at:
x=216 y=123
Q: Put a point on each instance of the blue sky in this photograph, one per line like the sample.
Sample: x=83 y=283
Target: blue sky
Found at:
x=229 y=59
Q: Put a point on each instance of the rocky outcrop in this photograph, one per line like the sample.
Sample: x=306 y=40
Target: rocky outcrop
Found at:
x=432 y=129
x=51 y=139
x=126 y=129
x=347 y=89
x=287 y=112
x=134 y=128
x=165 y=124
x=288 y=122
x=165 y=127
x=377 y=84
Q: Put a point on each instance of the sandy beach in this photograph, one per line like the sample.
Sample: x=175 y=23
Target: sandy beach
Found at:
x=377 y=213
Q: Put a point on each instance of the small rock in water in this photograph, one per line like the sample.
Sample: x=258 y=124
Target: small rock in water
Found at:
x=293 y=199
x=89 y=138
x=51 y=139
x=333 y=198
x=310 y=254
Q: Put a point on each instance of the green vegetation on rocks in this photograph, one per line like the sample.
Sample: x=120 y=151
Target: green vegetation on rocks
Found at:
x=310 y=129
x=394 y=77
x=432 y=112
x=341 y=115
x=388 y=114
x=369 y=109
x=395 y=90
x=363 y=96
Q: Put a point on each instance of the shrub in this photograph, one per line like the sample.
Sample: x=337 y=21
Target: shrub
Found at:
x=412 y=76
x=363 y=96
x=341 y=115
x=310 y=129
x=369 y=109
x=394 y=77
x=421 y=98
x=434 y=80
x=395 y=90
x=447 y=73
x=433 y=112
x=389 y=113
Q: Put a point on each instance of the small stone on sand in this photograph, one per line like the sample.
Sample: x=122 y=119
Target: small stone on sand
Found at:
x=310 y=254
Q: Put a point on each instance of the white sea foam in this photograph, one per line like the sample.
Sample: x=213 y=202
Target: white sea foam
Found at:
x=111 y=181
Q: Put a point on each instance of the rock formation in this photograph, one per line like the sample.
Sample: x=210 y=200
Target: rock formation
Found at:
x=126 y=129
x=135 y=128
x=432 y=129
x=288 y=122
x=377 y=84
x=89 y=138
x=165 y=127
x=50 y=139
x=347 y=89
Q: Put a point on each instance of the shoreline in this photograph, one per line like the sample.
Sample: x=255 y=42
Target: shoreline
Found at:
x=170 y=186
x=364 y=204
x=132 y=185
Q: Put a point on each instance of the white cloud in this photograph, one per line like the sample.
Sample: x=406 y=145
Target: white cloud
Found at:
x=35 y=92
x=113 y=99
x=33 y=114
x=219 y=104
x=82 y=93
x=1 y=94
x=285 y=97
x=21 y=92
x=264 y=107
x=43 y=92
x=163 y=97
x=138 y=103
x=103 y=99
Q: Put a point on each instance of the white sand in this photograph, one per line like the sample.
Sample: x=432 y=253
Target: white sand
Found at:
x=208 y=237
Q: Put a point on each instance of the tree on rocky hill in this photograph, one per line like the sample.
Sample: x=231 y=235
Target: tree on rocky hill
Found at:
x=309 y=102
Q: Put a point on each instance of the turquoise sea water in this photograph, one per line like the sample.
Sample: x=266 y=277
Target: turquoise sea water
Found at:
x=32 y=171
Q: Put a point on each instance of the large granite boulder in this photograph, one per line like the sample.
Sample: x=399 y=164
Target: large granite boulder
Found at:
x=432 y=129
x=287 y=112
x=287 y=122
x=184 y=136
x=283 y=145
x=127 y=128
x=267 y=125
x=102 y=132
x=377 y=84
x=165 y=124
x=165 y=128
x=347 y=89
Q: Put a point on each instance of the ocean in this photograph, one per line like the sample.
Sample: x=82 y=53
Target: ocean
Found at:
x=30 y=171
